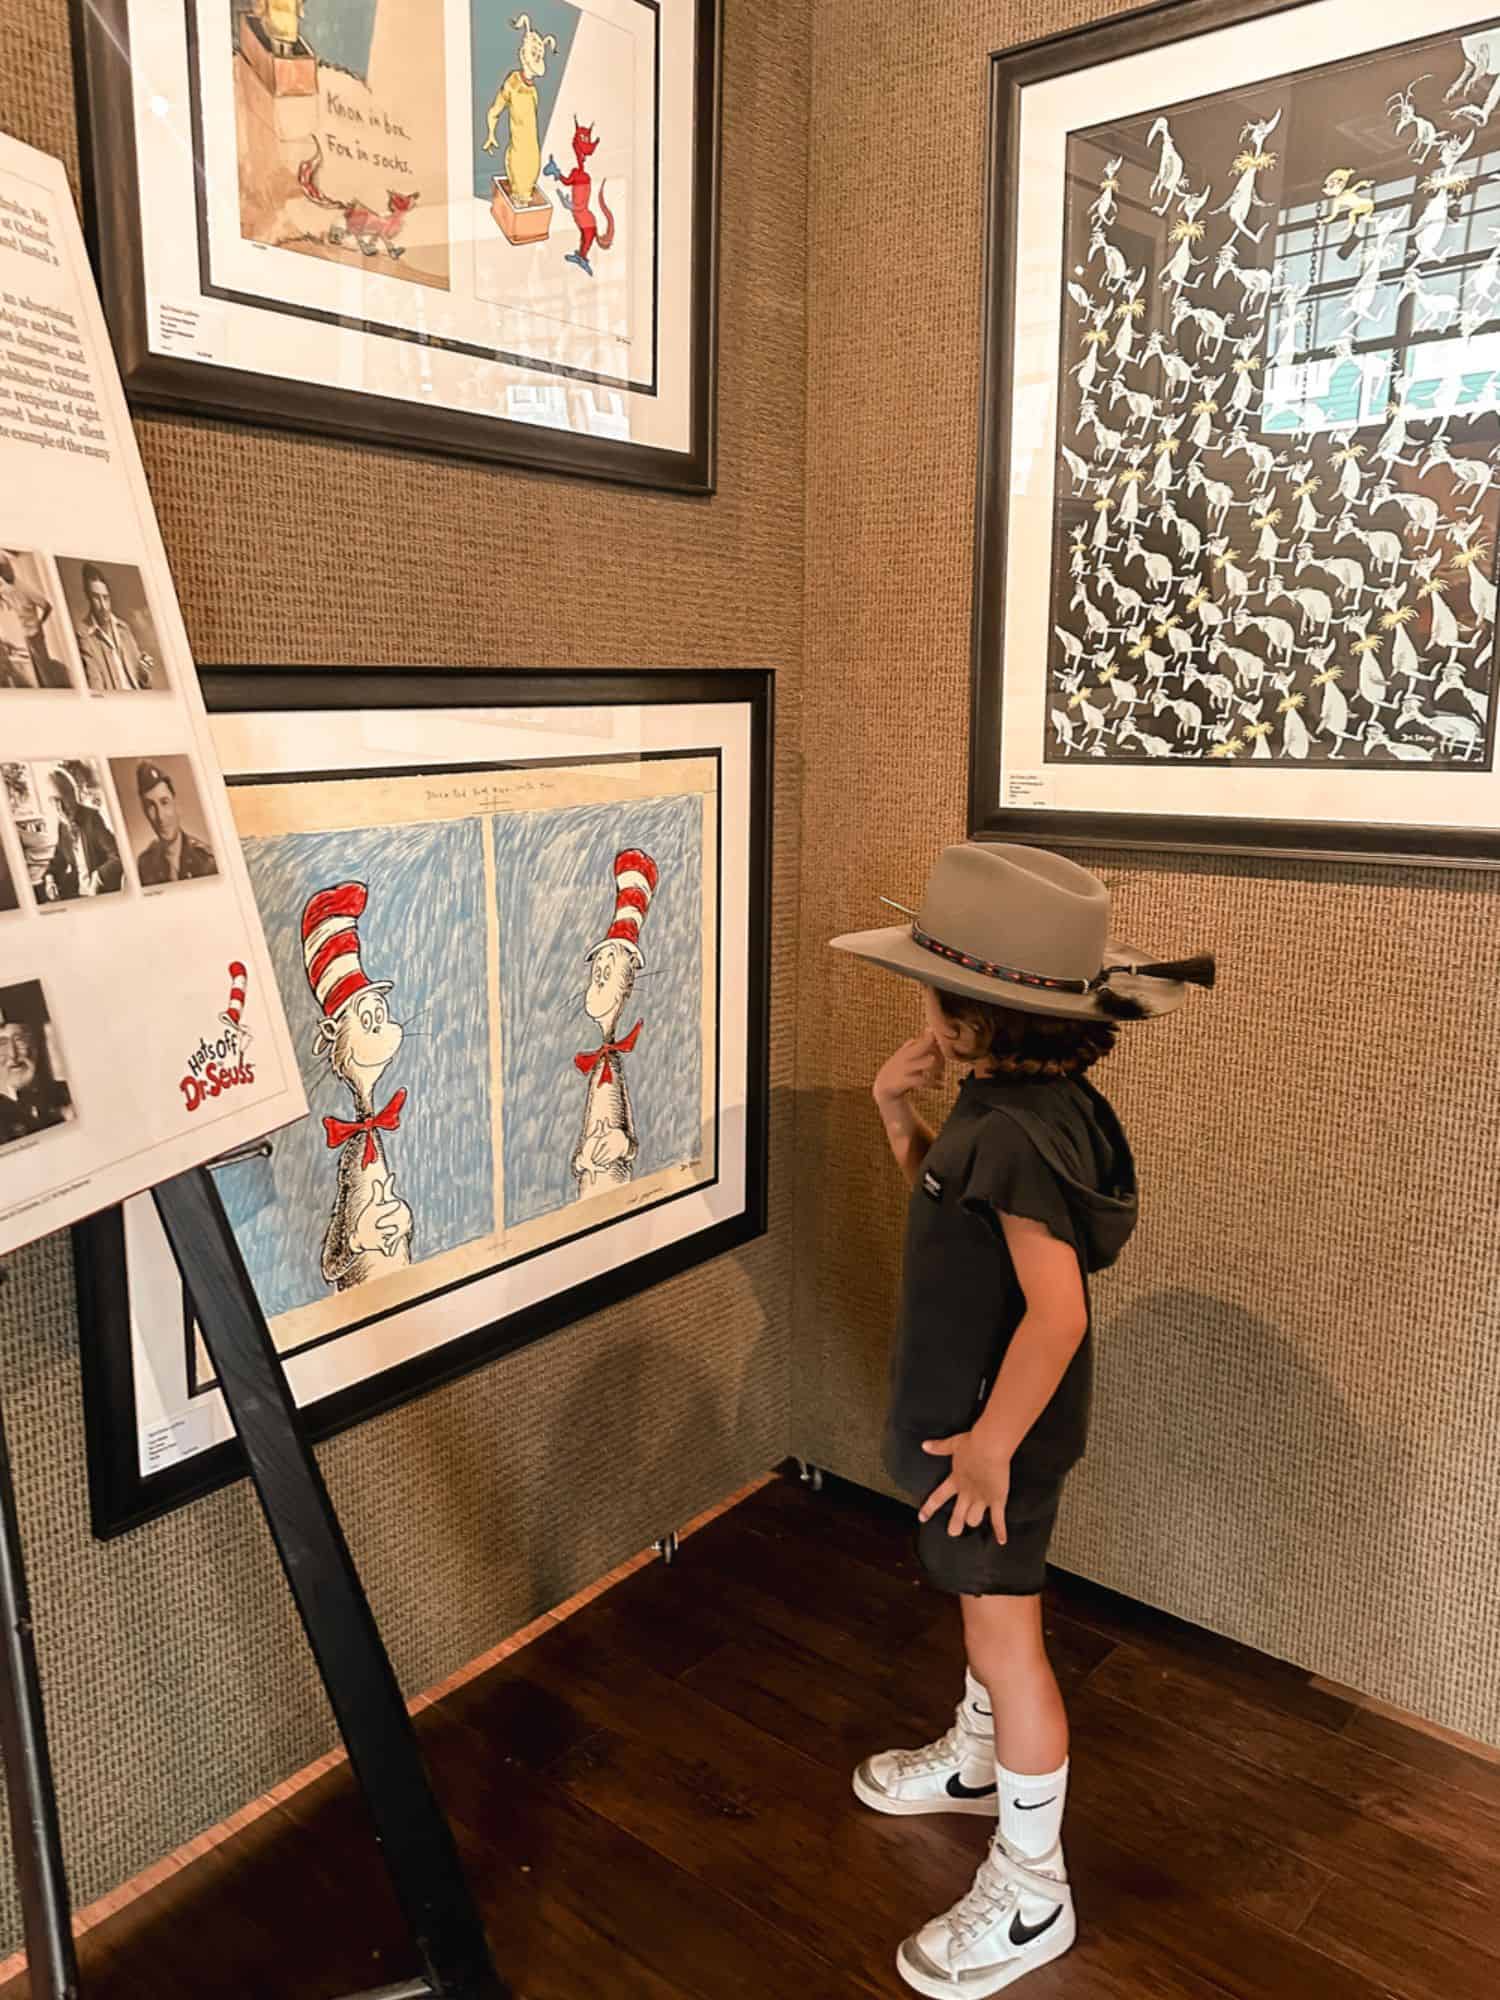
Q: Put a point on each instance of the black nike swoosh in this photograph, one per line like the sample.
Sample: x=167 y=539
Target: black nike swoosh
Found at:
x=1037 y=1807
x=957 y=1789
x=1024 y=1933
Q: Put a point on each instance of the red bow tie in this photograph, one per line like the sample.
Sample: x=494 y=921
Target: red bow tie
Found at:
x=589 y=1063
x=387 y=1121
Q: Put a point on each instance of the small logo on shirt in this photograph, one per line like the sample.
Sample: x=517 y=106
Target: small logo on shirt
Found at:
x=932 y=1187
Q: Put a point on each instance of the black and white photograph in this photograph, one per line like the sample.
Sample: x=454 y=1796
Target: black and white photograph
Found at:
x=61 y=812
x=1266 y=493
x=165 y=827
x=32 y=646
x=112 y=623
x=9 y=896
x=34 y=1095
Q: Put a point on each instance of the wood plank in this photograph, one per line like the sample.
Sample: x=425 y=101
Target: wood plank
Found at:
x=1145 y=1899
x=270 y=1921
x=1438 y=1758
x=849 y=1885
x=862 y=1526
x=1225 y=1793
x=1276 y=1683
x=1375 y=1786
x=1211 y=1852
x=543 y=1945
x=1389 y=1938
x=714 y=1945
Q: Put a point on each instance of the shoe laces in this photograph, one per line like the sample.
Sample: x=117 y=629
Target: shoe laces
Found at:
x=931 y=1757
x=994 y=1893
x=1003 y=1875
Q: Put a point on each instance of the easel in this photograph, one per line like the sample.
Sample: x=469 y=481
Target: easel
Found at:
x=414 y=1836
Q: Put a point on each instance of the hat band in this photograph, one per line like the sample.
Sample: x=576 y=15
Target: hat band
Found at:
x=1011 y=974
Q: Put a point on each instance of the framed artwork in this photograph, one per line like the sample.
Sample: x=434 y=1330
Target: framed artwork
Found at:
x=1239 y=489
x=442 y=224
x=520 y=924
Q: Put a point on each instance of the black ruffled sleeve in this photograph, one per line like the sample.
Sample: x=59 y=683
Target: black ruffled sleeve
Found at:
x=1007 y=1175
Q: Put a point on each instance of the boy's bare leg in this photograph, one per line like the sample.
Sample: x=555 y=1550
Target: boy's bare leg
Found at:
x=1008 y=1656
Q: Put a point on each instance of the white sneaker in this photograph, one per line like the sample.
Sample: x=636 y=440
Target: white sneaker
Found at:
x=1017 y=1916
x=955 y=1774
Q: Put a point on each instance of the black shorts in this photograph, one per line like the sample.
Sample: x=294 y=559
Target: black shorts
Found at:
x=974 y=1564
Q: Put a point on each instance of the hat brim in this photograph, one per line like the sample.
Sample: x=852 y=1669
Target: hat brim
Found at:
x=894 y=948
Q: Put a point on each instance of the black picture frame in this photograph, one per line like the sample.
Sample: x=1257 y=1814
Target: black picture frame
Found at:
x=1011 y=71
x=120 y=1499
x=110 y=181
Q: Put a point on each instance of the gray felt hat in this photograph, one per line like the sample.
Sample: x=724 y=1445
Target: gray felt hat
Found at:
x=1024 y=928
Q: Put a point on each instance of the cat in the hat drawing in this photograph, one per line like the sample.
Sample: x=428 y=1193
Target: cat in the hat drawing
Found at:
x=606 y=1153
x=369 y=1231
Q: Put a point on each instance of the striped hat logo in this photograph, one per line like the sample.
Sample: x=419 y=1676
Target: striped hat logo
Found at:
x=237 y=981
x=330 y=947
x=635 y=885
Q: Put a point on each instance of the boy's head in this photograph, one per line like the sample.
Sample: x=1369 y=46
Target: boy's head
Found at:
x=1003 y=1041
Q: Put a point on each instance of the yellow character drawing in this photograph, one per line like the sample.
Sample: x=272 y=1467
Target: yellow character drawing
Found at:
x=282 y=21
x=518 y=95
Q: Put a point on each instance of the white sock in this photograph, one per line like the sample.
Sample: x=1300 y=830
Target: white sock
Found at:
x=1031 y=1810
x=979 y=1711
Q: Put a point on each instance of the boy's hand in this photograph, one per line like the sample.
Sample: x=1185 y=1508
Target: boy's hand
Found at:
x=978 y=1483
x=916 y=1065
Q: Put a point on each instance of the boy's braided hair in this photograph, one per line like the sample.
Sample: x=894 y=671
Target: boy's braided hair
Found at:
x=1028 y=1047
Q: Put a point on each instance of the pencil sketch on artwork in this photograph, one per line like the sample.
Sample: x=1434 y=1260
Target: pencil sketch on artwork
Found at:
x=505 y=1027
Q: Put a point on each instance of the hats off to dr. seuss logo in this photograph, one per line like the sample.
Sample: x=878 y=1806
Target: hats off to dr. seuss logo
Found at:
x=635 y=885
x=330 y=948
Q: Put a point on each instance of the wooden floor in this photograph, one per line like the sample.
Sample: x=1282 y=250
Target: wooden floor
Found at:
x=653 y=1804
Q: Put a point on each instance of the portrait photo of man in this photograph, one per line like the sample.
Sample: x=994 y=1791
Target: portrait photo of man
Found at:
x=164 y=820
x=62 y=815
x=26 y=611
x=117 y=640
x=33 y=1095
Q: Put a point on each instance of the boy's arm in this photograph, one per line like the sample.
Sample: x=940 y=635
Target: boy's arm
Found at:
x=1049 y=1335
x=916 y=1065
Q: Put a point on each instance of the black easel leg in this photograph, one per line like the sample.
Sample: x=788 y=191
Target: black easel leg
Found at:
x=414 y=1836
x=45 y=1908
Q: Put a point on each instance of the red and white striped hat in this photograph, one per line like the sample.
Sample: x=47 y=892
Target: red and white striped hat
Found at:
x=635 y=885
x=330 y=948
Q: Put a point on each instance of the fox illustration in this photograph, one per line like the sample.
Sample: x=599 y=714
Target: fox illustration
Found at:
x=579 y=185
x=361 y=225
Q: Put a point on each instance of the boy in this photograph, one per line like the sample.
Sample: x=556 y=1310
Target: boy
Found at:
x=1028 y=1188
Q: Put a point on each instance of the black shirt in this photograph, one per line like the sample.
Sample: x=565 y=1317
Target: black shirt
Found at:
x=1054 y=1153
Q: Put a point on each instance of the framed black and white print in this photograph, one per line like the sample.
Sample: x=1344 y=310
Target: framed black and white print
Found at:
x=519 y=922
x=451 y=225
x=1239 y=492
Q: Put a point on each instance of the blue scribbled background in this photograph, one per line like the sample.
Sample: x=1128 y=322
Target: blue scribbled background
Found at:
x=556 y=890
x=424 y=930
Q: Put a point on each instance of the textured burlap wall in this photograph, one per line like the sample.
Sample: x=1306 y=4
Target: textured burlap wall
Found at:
x=1299 y=1371
x=177 y=1680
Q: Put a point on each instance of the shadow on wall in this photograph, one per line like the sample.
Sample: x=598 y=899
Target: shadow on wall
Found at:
x=1227 y=1476
x=853 y=1208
